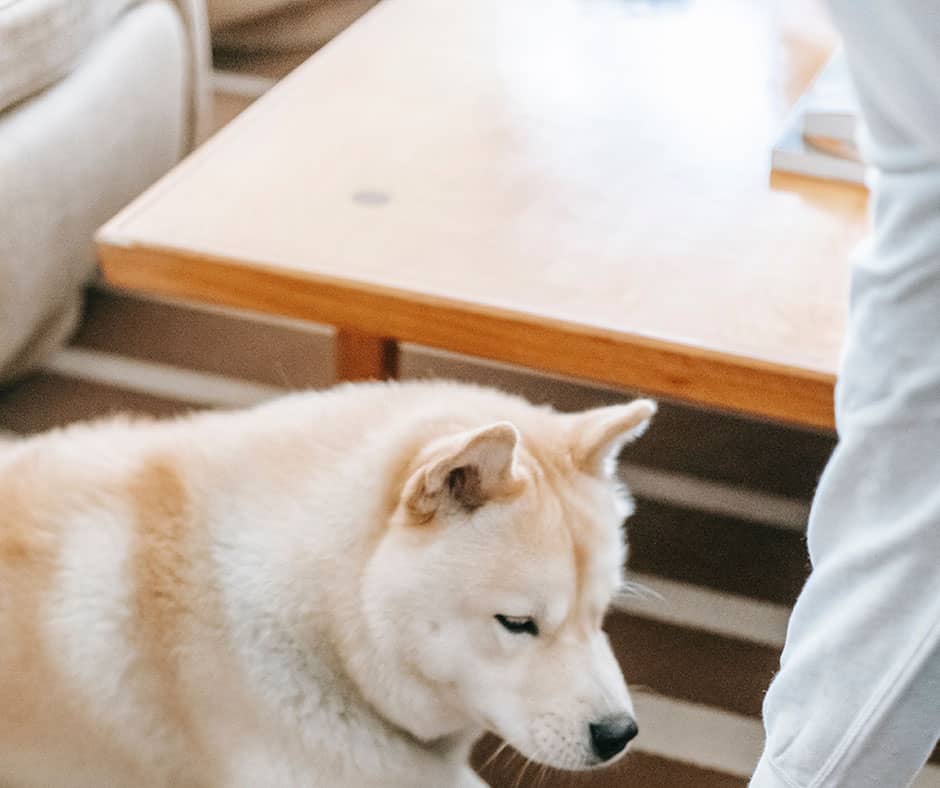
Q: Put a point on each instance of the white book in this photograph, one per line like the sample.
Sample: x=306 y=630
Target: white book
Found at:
x=794 y=154
x=830 y=108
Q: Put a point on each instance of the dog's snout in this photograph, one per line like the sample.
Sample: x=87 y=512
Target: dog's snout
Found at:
x=610 y=735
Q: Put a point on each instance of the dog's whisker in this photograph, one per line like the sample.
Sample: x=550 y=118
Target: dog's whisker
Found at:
x=543 y=771
x=525 y=766
x=631 y=588
x=282 y=374
x=495 y=754
x=517 y=756
x=513 y=755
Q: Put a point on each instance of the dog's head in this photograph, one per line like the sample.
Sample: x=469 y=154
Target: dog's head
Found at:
x=493 y=578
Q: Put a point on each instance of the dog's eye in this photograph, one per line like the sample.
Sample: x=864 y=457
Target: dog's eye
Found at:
x=519 y=625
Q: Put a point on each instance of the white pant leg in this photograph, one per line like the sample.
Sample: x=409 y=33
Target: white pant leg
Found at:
x=857 y=699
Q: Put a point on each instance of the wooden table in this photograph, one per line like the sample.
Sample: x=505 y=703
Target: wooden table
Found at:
x=577 y=186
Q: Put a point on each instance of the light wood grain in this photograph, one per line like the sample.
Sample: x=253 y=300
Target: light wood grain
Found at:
x=577 y=187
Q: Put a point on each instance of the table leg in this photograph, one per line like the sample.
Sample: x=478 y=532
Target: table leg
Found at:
x=365 y=357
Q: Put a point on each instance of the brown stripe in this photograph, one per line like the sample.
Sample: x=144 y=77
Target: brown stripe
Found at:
x=717 y=552
x=273 y=64
x=935 y=755
x=704 y=443
x=636 y=769
x=692 y=665
x=761 y=456
x=295 y=31
x=47 y=400
x=225 y=108
x=224 y=344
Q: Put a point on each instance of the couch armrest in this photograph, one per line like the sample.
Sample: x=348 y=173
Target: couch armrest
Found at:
x=194 y=17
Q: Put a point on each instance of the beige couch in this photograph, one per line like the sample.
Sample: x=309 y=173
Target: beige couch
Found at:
x=98 y=98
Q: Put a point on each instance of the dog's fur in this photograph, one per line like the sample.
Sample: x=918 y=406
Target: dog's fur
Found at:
x=303 y=593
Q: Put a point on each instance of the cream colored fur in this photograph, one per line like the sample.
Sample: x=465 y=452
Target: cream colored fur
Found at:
x=303 y=594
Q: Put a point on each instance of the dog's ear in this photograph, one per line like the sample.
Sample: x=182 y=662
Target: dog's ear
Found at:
x=464 y=470
x=598 y=435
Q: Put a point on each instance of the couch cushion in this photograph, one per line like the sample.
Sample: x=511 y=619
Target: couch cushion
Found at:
x=41 y=40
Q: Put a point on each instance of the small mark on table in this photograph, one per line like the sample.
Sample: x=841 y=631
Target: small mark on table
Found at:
x=371 y=197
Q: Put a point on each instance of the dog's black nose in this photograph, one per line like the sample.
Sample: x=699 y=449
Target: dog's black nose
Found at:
x=612 y=734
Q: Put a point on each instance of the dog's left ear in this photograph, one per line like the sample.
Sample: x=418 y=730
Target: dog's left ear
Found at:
x=466 y=470
x=598 y=435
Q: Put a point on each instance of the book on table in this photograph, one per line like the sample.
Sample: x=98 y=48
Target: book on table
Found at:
x=819 y=139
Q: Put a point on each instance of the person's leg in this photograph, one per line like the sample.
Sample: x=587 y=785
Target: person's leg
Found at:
x=857 y=699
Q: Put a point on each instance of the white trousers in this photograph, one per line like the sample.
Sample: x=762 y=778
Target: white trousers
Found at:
x=857 y=701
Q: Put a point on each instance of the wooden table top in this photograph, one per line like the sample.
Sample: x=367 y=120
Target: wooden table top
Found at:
x=577 y=186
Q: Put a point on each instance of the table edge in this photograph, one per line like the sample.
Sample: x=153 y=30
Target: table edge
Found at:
x=687 y=373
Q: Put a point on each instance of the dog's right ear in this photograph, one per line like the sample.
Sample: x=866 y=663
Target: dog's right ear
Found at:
x=463 y=471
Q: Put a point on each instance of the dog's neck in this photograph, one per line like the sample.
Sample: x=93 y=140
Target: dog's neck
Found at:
x=391 y=703
x=314 y=663
x=403 y=699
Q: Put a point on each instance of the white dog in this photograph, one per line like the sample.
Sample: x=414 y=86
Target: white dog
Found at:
x=339 y=589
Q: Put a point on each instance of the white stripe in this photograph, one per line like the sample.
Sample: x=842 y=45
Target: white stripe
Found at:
x=700 y=608
x=233 y=83
x=712 y=738
x=700 y=735
x=162 y=380
x=708 y=496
